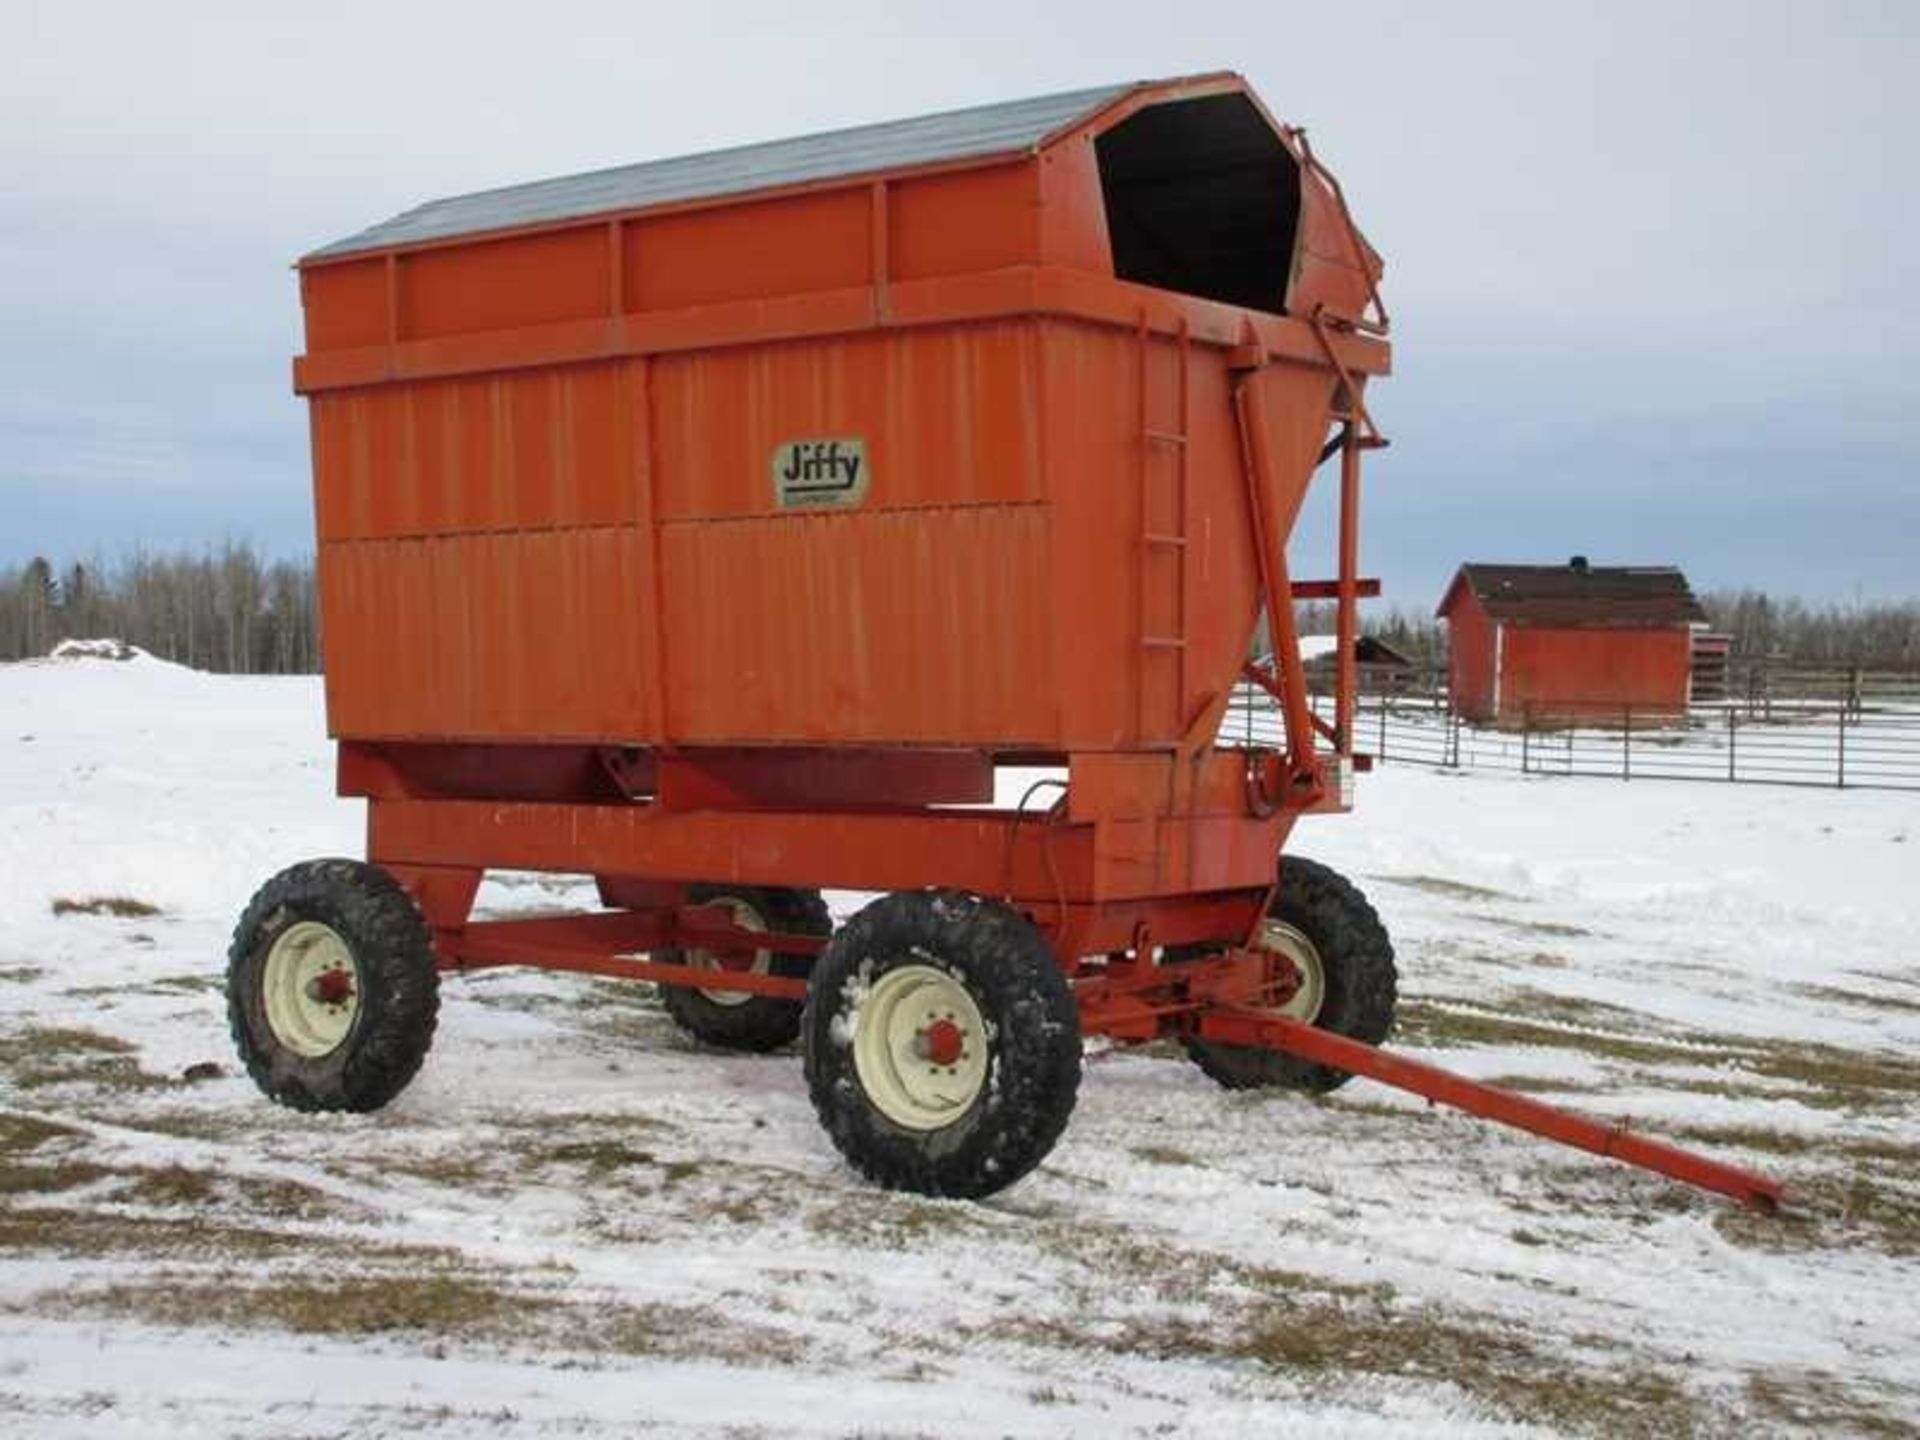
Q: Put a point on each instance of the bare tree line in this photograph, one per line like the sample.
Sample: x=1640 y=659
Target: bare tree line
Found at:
x=227 y=610
x=1882 y=635
x=223 y=610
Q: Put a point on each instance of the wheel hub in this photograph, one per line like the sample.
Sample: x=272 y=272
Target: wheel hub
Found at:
x=941 y=1043
x=331 y=987
x=731 y=960
x=918 y=1047
x=1297 y=983
x=310 y=989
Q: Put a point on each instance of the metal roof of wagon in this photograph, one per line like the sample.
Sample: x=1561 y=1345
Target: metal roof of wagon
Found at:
x=975 y=133
x=1580 y=595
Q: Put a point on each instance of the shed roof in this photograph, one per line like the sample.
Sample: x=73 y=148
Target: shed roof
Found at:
x=1320 y=651
x=1579 y=595
x=976 y=133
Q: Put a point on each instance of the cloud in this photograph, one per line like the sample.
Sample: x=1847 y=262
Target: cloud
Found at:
x=1638 y=254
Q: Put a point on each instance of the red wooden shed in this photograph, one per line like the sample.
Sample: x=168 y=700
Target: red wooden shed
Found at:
x=1557 y=644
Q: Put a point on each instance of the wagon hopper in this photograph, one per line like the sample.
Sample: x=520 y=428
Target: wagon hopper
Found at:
x=719 y=527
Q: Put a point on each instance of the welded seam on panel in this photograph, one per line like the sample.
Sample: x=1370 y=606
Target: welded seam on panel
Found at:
x=892 y=508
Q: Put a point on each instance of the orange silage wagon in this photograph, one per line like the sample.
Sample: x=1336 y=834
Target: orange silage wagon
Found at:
x=719 y=527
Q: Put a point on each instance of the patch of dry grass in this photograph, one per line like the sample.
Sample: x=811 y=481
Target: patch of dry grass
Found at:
x=1445 y=889
x=894 y=1220
x=172 y=1185
x=28 y=1178
x=187 y=984
x=1162 y=1155
x=92 y=1233
x=1847 y=1209
x=1817 y=1403
x=1552 y=929
x=598 y=1156
x=438 y=1300
x=1445 y=1026
x=20 y=1132
x=1325 y=1343
x=1832 y=1077
x=438 y=1303
x=121 y=907
x=43 y=1055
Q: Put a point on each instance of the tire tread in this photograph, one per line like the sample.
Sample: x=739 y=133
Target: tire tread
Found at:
x=1354 y=946
x=398 y=978
x=1034 y=1075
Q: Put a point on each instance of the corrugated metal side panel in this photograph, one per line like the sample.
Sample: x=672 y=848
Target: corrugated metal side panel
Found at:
x=529 y=636
x=1111 y=589
x=897 y=144
x=1583 y=668
x=783 y=246
x=527 y=450
x=527 y=280
x=949 y=415
x=1092 y=427
x=1470 y=658
x=488 y=544
x=483 y=572
x=932 y=626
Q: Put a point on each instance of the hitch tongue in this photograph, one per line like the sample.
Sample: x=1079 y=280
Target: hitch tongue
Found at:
x=1239 y=1025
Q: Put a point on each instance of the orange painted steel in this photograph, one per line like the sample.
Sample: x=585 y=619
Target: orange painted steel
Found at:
x=739 y=540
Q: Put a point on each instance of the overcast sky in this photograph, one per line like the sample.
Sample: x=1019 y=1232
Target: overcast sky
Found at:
x=1651 y=266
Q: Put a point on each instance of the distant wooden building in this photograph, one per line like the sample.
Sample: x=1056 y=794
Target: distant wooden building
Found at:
x=1568 y=643
x=1379 y=669
x=1712 y=666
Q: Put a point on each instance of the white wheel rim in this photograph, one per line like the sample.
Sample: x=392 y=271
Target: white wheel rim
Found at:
x=745 y=917
x=920 y=1047
x=1283 y=939
x=311 y=989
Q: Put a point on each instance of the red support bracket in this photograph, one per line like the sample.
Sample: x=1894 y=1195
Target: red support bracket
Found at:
x=1242 y=1026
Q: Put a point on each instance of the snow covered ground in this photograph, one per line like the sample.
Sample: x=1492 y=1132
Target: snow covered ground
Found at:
x=574 y=1223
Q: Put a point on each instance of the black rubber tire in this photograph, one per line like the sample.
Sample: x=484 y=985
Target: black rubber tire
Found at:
x=761 y=1022
x=1362 y=981
x=397 y=980
x=1033 y=1062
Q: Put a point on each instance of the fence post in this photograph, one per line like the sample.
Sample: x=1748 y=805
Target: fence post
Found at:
x=1733 y=742
x=1842 y=752
x=1526 y=734
x=1626 y=745
x=1383 y=729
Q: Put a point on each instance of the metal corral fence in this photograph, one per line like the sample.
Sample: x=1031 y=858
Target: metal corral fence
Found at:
x=1863 y=732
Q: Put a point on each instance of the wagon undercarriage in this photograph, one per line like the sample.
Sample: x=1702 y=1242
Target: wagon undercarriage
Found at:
x=1237 y=997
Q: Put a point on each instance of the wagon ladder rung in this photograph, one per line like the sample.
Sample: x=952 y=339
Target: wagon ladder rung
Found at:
x=1156 y=435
